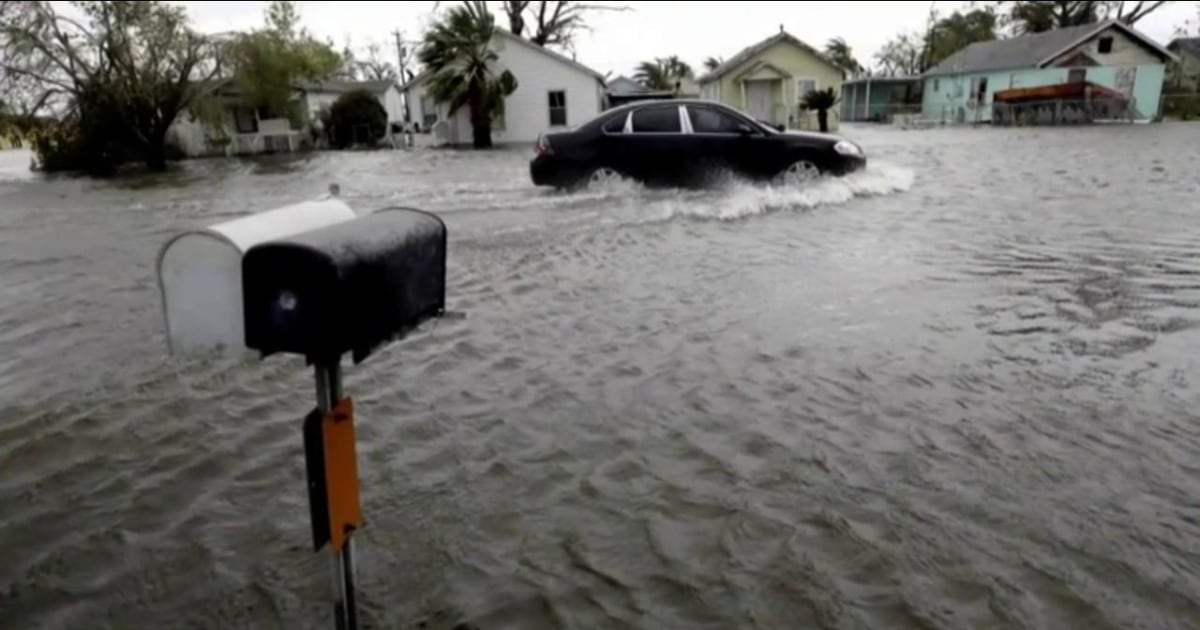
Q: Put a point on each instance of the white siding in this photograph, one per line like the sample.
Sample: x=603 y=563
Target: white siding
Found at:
x=1125 y=50
x=527 y=110
x=391 y=101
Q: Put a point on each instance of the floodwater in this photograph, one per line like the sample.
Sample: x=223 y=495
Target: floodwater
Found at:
x=959 y=390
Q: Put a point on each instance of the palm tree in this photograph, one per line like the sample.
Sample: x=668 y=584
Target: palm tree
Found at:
x=712 y=63
x=456 y=52
x=822 y=101
x=664 y=73
x=838 y=51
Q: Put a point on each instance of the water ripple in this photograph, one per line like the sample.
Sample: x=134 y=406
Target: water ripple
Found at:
x=954 y=390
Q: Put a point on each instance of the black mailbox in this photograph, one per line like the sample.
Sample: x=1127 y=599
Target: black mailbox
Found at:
x=347 y=287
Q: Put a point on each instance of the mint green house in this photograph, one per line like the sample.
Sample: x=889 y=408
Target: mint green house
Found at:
x=1109 y=54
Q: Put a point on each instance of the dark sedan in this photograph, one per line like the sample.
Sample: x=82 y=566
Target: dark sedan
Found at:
x=686 y=142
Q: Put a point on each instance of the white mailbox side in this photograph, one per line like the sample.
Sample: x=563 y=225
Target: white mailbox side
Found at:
x=200 y=272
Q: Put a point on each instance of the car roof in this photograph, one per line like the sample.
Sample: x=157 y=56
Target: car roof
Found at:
x=666 y=101
x=608 y=114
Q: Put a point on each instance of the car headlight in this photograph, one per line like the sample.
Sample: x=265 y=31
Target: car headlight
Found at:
x=845 y=147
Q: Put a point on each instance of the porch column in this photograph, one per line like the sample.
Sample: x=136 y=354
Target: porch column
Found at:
x=743 y=84
x=867 y=102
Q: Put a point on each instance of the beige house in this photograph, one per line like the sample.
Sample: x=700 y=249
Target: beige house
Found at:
x=769 y=80
x=241 y=129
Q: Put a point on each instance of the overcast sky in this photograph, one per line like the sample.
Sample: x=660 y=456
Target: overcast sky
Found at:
x=619 y=40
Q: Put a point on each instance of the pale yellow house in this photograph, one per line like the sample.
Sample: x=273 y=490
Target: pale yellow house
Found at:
x=769 y=79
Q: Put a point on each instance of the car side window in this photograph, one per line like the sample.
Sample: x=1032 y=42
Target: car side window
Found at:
x=657 y=120
x=706 y=120
x=616 y=125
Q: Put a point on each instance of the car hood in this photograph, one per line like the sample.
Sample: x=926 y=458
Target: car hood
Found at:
x=812 y=135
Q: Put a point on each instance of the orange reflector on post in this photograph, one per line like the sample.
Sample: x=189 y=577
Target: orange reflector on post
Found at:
x=341 y=473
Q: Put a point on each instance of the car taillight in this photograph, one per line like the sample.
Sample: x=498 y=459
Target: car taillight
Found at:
x=542 y=147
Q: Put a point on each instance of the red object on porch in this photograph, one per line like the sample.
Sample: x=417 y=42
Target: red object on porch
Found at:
x=1061 y=91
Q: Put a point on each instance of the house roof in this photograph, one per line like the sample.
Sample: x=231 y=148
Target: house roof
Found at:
x=881 y=80
x=421 y=76
x=524 y=42
x=764 y=65
x=550 y=53
x=749 y=52
x=341 y=87
x=1186 y=45
x=1032 y=51
x=226 y=87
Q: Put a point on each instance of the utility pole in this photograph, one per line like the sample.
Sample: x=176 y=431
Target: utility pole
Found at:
x=401 y=55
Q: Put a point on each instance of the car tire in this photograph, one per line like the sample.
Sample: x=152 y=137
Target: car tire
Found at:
x=601 y=176
x=799 y=172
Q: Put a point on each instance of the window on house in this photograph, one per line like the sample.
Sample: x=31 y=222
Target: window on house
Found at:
x=557 y=101
x=1077 y=75
x=245 y=120
x=936 y=86
x=663 y=119
x=1105 y=45
x=978 y=90
x=804 y=86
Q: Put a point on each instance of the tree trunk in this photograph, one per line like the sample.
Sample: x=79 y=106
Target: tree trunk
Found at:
x=823 y=120
x=481 y=120
x=156 y=153
x=481 y=133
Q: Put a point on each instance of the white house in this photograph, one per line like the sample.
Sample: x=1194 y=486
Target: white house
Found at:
x=553 y=92
x=322 y=95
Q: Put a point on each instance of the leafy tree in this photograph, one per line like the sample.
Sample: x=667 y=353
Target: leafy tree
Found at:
x=838 y=51
x=375 y=67
x=270 y=61
x=457 y=53
x=663 y=73
x=901 y=55
x=356 y=117
x=821 y=101
x=912 y=53
x=124 y=72
x=956 y=31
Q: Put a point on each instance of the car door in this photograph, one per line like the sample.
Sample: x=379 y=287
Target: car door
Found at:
x=726 y=142
x=652 y=144
x=719 y=141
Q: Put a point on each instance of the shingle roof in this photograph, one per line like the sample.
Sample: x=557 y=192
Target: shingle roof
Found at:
x=1027 y=51
x=749 y=52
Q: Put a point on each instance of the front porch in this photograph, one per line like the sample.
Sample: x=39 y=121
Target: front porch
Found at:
x=772 y=94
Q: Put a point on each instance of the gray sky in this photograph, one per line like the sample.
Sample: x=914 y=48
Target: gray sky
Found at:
x=619 y=40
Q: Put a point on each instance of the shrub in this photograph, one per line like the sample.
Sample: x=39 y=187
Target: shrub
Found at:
x=356 y=118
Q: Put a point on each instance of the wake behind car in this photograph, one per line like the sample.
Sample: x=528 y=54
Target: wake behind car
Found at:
x=685 y=142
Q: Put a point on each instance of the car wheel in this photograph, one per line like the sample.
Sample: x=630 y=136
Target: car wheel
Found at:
x=799 y=172
x=602 y=176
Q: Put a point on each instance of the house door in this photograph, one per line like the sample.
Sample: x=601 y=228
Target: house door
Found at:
x=758 y=100
x=1126 y=78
